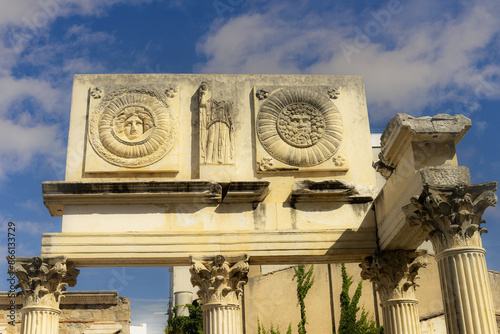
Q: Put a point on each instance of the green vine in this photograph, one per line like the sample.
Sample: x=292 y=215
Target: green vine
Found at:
x=305 y=280
x=349 y=308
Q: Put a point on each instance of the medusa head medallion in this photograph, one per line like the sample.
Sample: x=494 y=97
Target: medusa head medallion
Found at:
x=299 y=127
x=133 y=128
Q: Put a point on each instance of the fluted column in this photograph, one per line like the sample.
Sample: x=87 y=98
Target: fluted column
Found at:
x=394 y=274
x=220 y=281
x=452 y=217
x=42 y=281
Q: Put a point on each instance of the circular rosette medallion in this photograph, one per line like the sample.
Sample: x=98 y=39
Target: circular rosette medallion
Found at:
x=132 y=128
x=299 y=127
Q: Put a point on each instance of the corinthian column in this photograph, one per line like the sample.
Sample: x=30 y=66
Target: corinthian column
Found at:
x=42 y=281
x=220 y=281
x=452 y=218
x=394 y=274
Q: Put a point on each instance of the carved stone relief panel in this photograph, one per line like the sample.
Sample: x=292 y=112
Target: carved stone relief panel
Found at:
x=133 y=128
x=216 y=128
x=299 y=127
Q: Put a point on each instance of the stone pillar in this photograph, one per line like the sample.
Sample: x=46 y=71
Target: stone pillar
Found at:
x=42 y=281
x=220 y=281
x=452 y=218
x=394 y=274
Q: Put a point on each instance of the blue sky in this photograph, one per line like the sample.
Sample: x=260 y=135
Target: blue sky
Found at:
x=418 y=57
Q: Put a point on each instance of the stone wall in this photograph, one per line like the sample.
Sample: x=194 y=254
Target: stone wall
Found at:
x=82 y=312
x=272 y=298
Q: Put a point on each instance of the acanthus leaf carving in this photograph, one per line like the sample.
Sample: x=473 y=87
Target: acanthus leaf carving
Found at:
x=42 y=280
x=394 y=273
x=452 y=215
x=218 y=280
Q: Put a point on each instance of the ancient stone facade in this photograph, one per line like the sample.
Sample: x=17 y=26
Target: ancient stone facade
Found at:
x=186 y=169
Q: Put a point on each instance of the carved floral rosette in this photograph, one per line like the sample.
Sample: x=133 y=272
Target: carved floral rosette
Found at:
x=299 y=127
x=133 y=127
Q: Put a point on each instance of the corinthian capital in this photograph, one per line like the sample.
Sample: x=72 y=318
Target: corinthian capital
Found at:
x=42 y=280
x=452 y=215
x=219 y=279
x=394 y=272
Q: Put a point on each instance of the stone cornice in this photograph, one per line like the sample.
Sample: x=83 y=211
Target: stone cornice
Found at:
x=404 y=129
x=394 y=273
x=331 y=191
x=58 y=194
x=219 y=279
x=452 y=216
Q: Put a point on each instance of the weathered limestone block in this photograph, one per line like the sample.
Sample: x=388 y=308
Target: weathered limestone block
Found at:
x=394 y=274
x=415 y=152
x=393 y=231
x=169 y=162
x=419 y=142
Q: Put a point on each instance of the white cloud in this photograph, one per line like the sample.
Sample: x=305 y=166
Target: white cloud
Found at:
x=406 y=66
x=16 y=89
x=34 y=104
x=19 y=144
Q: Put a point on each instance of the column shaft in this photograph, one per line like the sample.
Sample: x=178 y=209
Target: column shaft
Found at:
x=468 y=305
x=401 y=316
x=40 y=320
x=221 y=318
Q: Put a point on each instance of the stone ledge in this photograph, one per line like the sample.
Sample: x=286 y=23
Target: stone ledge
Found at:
x=331 y=191
x=404 y=129
x=58 y=194
x=246 y=192
x=145 y=249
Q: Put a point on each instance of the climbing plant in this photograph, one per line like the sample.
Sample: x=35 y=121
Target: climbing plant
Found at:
x=305 y=280
x=349 y=323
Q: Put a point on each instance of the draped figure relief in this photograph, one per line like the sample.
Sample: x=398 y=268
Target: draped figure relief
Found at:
x=216 y=128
